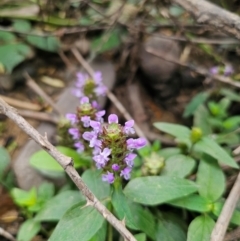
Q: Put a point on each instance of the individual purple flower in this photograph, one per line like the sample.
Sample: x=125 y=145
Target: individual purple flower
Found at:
x=96 y=151
x=99 y=115
x=228 y=70
x=112 y=119
x=130 y=144
x=88 y=135
x=128 y=128
x=95 y=105
x=140 y=142
x=102 y=158
x=129 y=159
x=72 y=118
x=84 y=100
x=100 y=90
x=115 y=167
x=214 y=70
x=126 y=173
x=81 y=79
x=98 y=77
x=79 y=146
x=109 y=177
x=97 y=127
x=74 y=132
x=86 y=121
x=78 y=93
x=94 y=142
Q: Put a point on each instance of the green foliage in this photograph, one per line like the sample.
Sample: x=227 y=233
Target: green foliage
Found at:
x=4 y=162
x=158 y=190
x=28 y=230
x=80 y=222
x=200 y=228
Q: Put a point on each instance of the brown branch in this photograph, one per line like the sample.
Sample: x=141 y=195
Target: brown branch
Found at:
x=67 y=164
x=6 y=235
x=220 y=228
x=208 y=13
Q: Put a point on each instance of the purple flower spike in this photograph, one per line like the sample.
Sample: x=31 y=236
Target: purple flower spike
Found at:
x=126 y=173
x=72 y=118
x=96 y=126
x=115 y=167
x=86 y=121
x=129 y=159
x=74 y=132
x=112 y=119
x=99 y=115
x=84 y=100
x=128 y=128
x=109 y=177
x=79 y=146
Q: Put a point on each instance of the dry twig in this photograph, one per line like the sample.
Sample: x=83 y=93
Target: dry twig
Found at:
x=6 y=235
x=67 y=164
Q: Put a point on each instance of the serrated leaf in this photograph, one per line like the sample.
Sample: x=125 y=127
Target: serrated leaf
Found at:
x=200 y=229
x=178 y=166
x=157 y=190
x=85 y=221
x=210 y=147
x=194 y=203
x=93 y=180
x=28 y=230
x=168 y=228
x=179 y=131
x=135 y=216
x=196 y=101
x=217 y=209
x=210 y=178
x=201 y=120
x=56 y=207
x=49 y=43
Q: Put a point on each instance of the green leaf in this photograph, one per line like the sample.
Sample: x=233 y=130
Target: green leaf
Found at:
x=4 y=161
x=93 y=180
x=157 y=190
x=7 y=37
x=196 y=101
x=101 y=233
x=217 y=209
x=176 y=130
x=201 y=120
x=200 y=229
x=13 y=54
x=169 y=228
x=176 y=11
x=106 y=42
x=140 y=237
x=230 y=94
x=28 y=230
x=22 y=25
x=135 y=216
x=178 y=166
x=231 y=122
x=42 y=161
x=24 y=198
x=46 y=191
x=210 y=147
x=210 y=178
x=49 y=43
x=168 y=152
x=56 y=207
x=80 y=222
x=194 y=203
